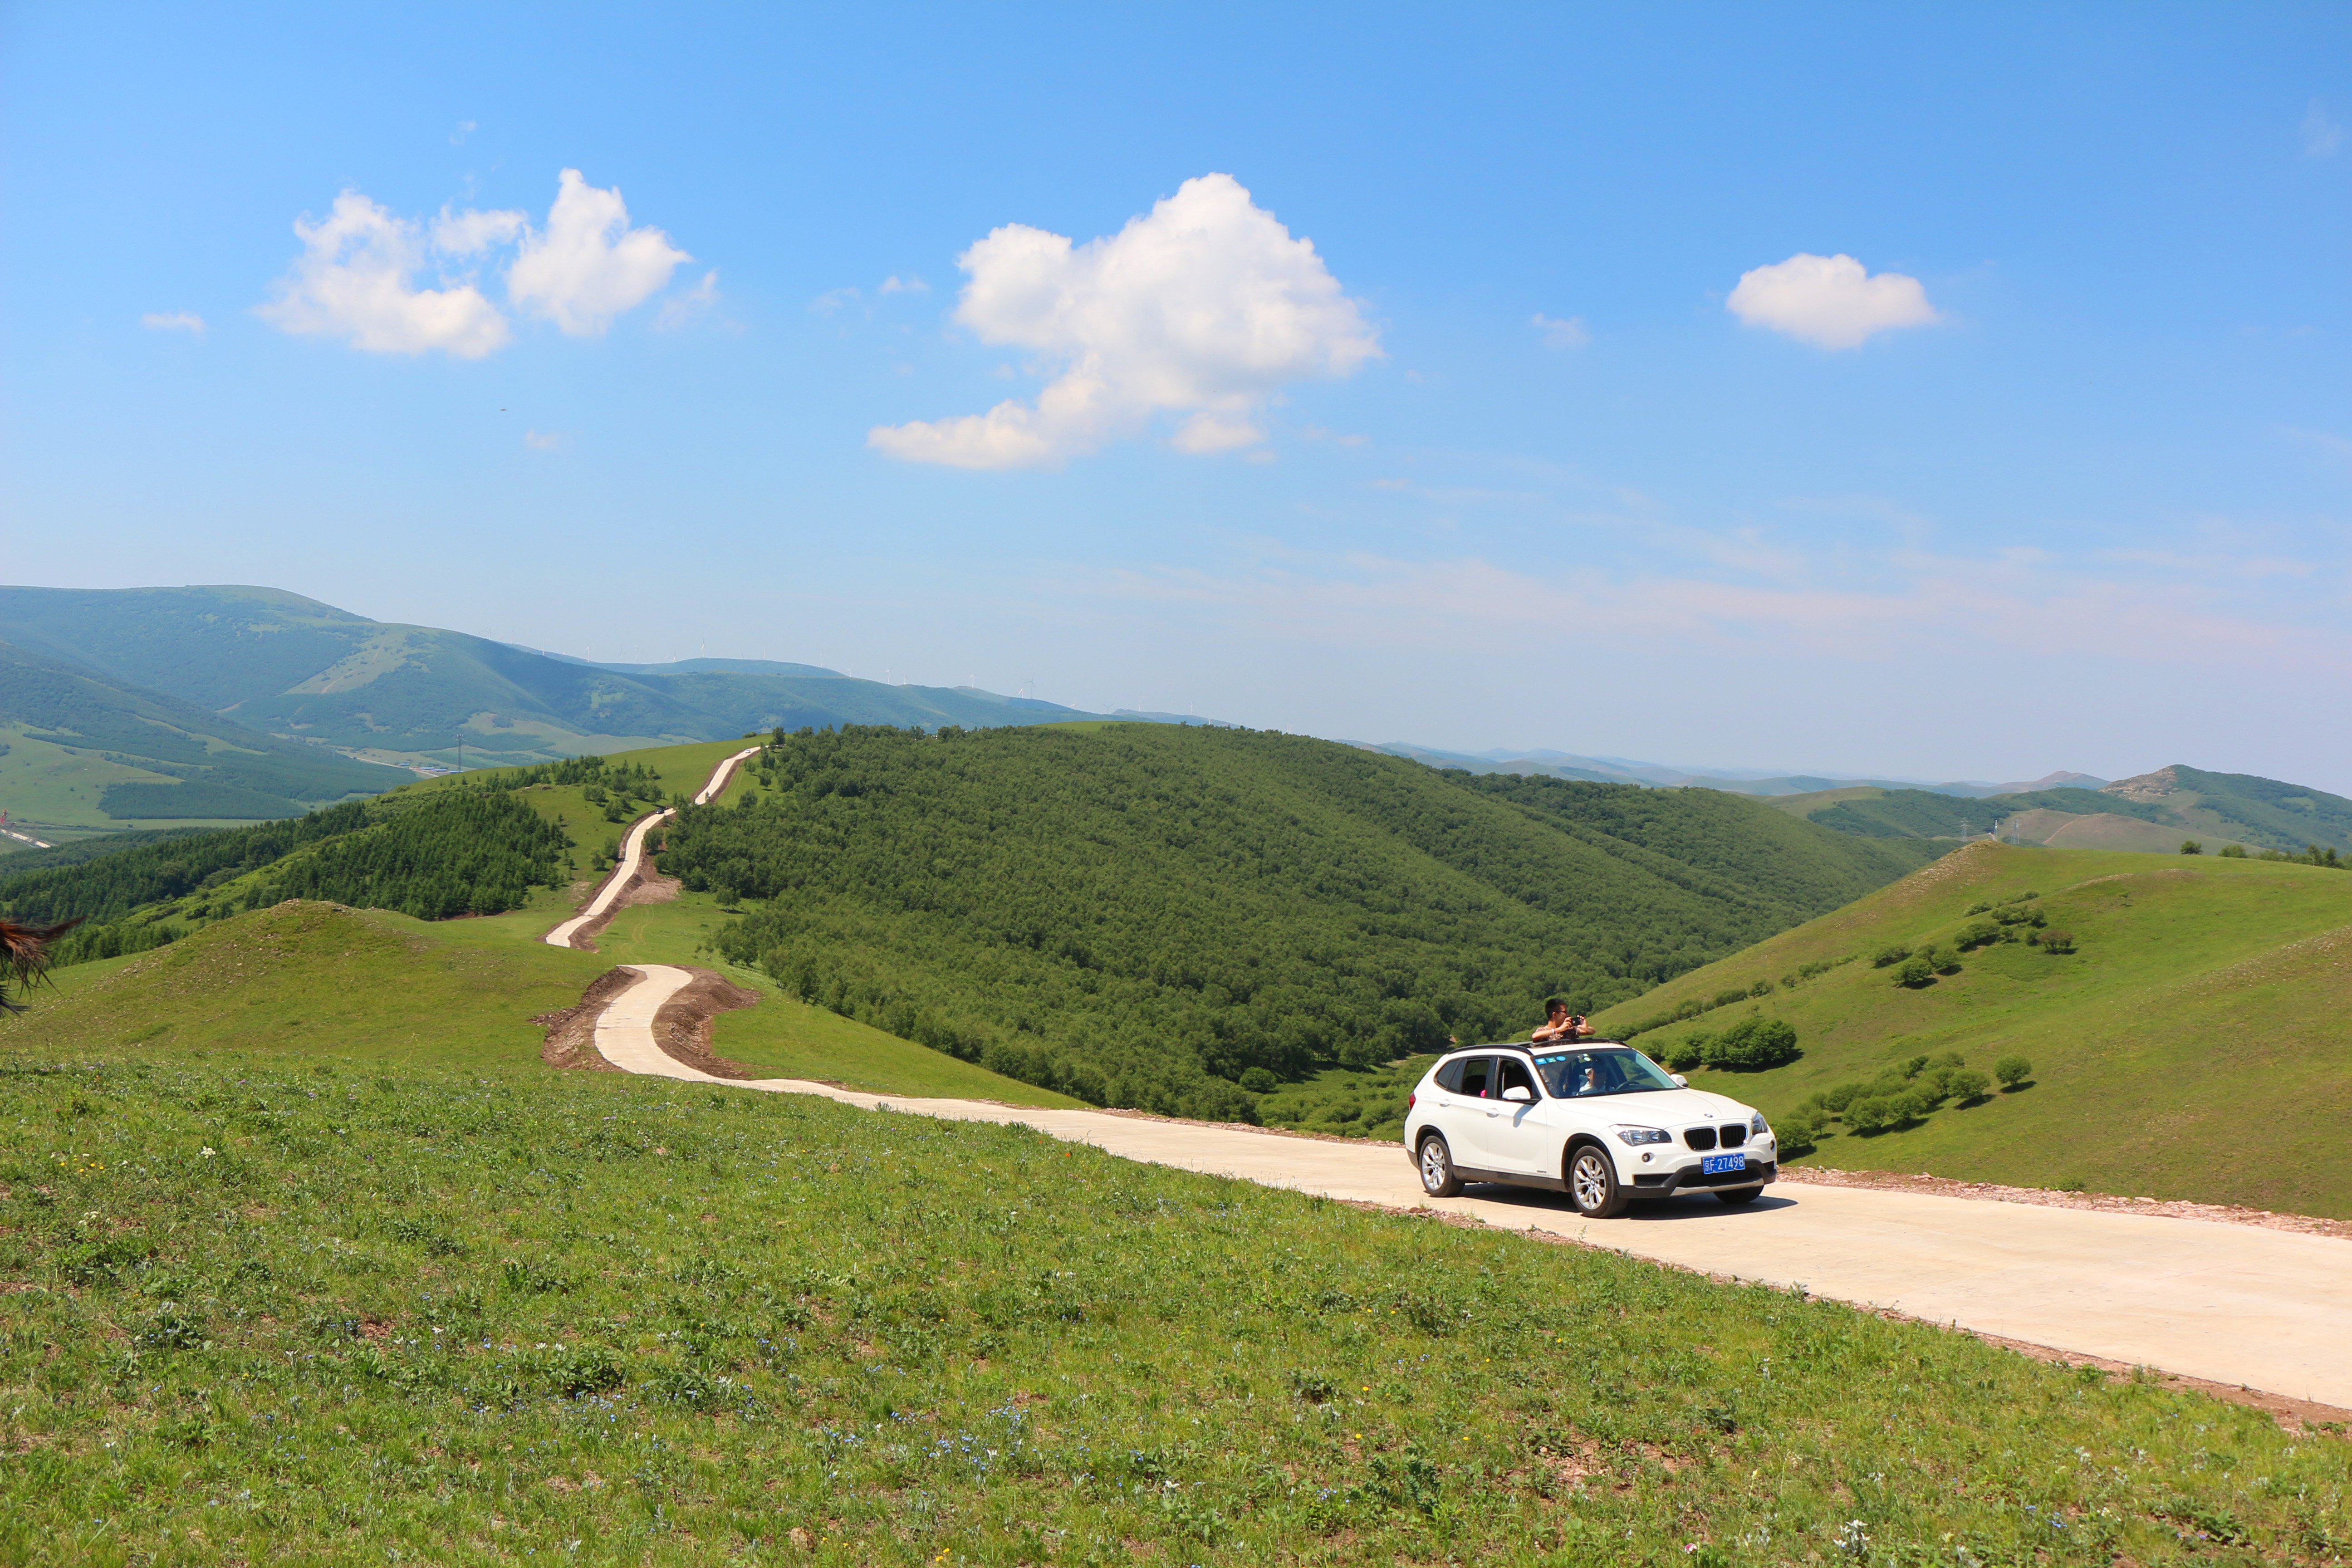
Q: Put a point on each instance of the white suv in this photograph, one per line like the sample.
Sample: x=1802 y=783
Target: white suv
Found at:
x=1603 y=1123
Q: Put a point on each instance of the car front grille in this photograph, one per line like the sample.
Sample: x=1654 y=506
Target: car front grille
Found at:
x=1733 y=1137
x=1700 y=1137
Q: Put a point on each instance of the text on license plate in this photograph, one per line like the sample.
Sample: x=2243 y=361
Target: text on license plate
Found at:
x=1715 y=1163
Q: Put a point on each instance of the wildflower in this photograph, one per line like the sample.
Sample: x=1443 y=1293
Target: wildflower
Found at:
x=208 y=1152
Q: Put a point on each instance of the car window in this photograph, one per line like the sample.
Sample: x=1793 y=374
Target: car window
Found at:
x=1477 y=1075
x=1449 y=1077
x=1512 y=1073
x=1573 y=1075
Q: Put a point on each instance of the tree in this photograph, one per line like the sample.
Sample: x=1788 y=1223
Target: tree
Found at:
x=1754 y=1043
x=2191 y=847
x=25 y=956
x=2057 y=942
x=2012 y=1071
x=2233 y=851
x=1914 y=972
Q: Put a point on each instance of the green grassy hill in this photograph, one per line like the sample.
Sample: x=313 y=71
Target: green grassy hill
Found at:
x=294 y=667
x=2190 y=1044
x=1143 y=914
x=2153 y=812
x=79 y=752
x=299 y=1304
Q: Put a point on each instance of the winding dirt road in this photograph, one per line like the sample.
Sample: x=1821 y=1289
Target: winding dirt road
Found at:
x=633 y=855
x=2234 y=1305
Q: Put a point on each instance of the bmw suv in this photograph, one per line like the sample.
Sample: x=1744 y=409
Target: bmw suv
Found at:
x=1602 y=1122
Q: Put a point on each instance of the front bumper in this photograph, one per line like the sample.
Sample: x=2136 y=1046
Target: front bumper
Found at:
x=1691 y=1179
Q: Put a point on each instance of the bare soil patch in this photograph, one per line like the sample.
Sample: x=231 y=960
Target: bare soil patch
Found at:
x=682 y=1027
x=570 y=1038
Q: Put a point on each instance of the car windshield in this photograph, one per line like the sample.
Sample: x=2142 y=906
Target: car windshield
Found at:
x=1569 y=1074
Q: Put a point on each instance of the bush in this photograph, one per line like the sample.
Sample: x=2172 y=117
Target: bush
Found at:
x=1683 y=1055
x=2057 y=942
x=2233 y=851
x=2191 y=847
x=1799 y=1131
x=1967 y=1084
x=1753 y=1044
x=1874 y=1115
x=1941 y=961
x=1258 y=1081
x=2012 y=1071
x=1888 y=955
x=1915 y=973
x=1838 y=1097
x=1762 y=988
x=1976 y=934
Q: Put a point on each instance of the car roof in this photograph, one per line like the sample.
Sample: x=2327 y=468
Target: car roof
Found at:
x=1528 y=1048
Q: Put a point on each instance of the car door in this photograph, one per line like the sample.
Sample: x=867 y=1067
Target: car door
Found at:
x=1515 y=1137
x=1460 y=1108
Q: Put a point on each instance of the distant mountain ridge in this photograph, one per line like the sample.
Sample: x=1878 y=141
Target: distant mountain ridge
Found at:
x=1735 y=781
x=291 y=666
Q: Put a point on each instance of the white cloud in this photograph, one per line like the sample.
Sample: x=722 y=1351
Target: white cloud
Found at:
x=543 y=441
x=1568 y=334
x=464 y=128
x=174 y=322
x=1830 y=302
x=692 y=306
x=2321 y=134
x=911 y=284
x=353 y=281
x=833 y=300
x=1206 y=305
x=470 y=233
x=589 y=266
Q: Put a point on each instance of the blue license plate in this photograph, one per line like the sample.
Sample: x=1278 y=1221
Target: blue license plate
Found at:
x=1717 y=1163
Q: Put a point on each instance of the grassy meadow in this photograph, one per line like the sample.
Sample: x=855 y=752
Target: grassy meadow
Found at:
x=2190 y=1045
x=308 y=1307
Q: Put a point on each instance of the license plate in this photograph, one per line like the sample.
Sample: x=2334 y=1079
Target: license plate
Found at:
x=1714 y=1164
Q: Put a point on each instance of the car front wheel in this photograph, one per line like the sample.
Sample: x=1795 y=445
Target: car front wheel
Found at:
x=1744 y=1195
x=1593 y=1184
x=1437 y=1177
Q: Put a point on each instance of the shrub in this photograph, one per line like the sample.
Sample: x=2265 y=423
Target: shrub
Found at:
x=1725 y=998
x=1762 y=988
x=1837 y=1097
x=2191 y=847
x=1258 y=1081
x=1754 y=1043
x=1941 y=961
x=1799 y=1131
x=1915 y=973
x=1976 y=934
x=2012 y=1071
x=1871 y=1115
x=2057 y=942
x=1687 y=1054
x=2233 y=851
x=1888 y=955
x=1967 y=1084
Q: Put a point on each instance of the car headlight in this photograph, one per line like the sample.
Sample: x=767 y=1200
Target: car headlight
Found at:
x=1758 y=1127
x=1641 y=1134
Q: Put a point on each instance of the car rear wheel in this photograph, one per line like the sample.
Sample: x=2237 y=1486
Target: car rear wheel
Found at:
x=1437 y=1177
x=1744 y=1195
x=1593 y=1184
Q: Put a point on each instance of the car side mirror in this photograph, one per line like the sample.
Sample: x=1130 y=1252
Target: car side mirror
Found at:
x=1520 y=1093
x=1680 y=1081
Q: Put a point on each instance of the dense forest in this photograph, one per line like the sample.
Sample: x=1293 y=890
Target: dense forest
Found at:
x=433 y=855
x=1138 y=914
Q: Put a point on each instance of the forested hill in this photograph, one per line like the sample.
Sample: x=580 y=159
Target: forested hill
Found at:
x=1150 y=912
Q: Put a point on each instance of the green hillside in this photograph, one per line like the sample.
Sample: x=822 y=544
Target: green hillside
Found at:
x=293 y=666
x=2187 y=1041
x=1148 y=912
x=308 y=1304
x=2153 y=812
x=80 y=751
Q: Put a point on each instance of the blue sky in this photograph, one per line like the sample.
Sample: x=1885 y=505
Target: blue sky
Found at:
x=1957 y=393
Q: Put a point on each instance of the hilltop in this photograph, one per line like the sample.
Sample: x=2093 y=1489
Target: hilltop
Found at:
x=1156 y=914
x=2185 y=1034
x=82 y=751
x=294 y=667
x=2153 y=812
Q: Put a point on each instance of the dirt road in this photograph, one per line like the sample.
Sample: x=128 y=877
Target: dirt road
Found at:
x=2232 y=1304
x=632 y=854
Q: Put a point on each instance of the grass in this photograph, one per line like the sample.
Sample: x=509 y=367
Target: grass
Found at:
x=294 y=1308
x=1349 y=1102
x=2193 y=1046
x=59 y=787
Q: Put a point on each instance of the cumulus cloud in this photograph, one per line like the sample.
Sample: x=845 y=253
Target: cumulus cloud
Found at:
x=911 y=284
x=1830 y=302
x=354 y=280
x=356 y=276
x=590 y=266
x=2322 y=136
x=1570 y=333
x=542 y=440
x=1205 y=307
x=690 y=307
x=174 y=322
